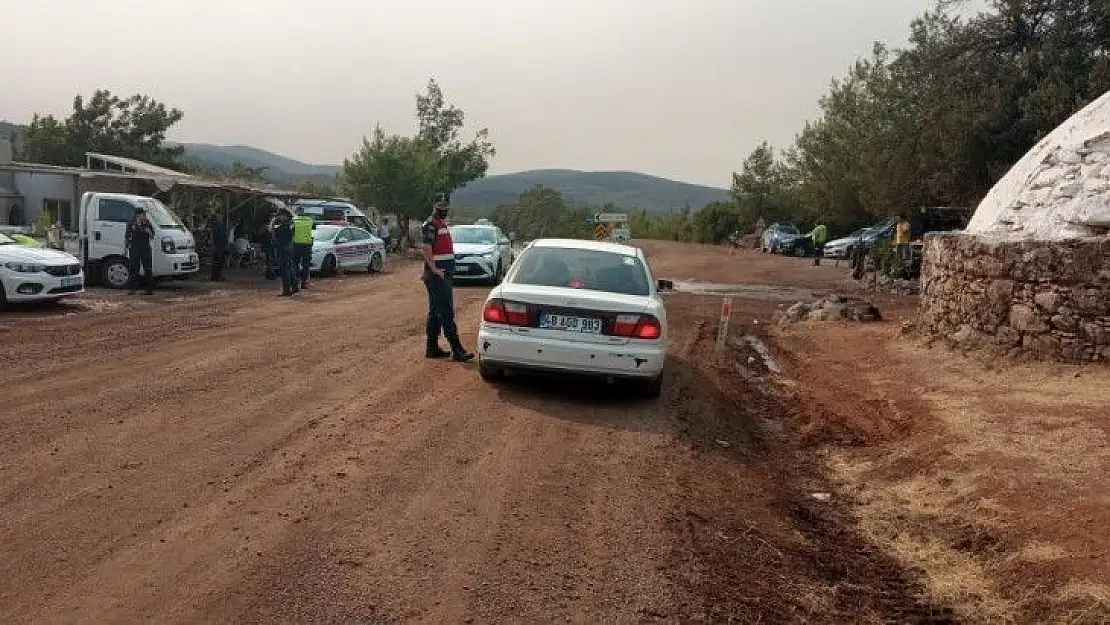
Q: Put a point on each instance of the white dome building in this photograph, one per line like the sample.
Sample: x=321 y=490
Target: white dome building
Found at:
x=1060 y=189
x=1031 y=272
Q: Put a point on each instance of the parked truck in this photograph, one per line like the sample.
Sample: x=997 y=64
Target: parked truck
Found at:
x=100 y=240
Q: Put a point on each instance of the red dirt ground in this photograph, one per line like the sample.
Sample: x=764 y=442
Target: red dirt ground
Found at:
x=220 y=455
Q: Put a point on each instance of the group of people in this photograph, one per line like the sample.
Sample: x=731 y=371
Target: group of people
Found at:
x=292 y=244
x=288 y=246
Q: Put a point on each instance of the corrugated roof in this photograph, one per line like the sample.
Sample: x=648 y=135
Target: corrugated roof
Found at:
x=134 y=164
x=178 y=178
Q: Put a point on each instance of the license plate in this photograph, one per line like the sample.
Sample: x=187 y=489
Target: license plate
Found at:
x=586 y=325
x=74 y=281
x=462 y=269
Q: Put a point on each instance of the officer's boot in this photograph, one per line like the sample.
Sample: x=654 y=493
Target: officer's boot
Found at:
x=434 y=350
x=458 y=352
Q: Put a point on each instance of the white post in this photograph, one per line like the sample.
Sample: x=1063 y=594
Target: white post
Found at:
x=722 y=329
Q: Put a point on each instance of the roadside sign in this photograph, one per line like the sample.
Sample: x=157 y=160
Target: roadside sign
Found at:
x=622 y=235
x=722 y=329
x=611 y=218
x=601 y=231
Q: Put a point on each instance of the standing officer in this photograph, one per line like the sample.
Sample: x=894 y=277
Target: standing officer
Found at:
x=819 y=235
x=303 y=225
x=137 y=242
x=439 y=265
x=282 y=227
x=217 y=231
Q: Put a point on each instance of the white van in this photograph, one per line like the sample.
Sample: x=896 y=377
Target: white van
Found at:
x=100 y=243
x=335 y=212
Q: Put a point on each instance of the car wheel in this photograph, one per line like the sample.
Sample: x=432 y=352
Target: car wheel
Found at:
x=3 y=298
x=117 y=275
x=498 y=275
x=376 y=263
x=652 y=388
x=488 y=372
x=329 y=266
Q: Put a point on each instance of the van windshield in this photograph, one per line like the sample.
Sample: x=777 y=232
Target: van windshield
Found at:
x=160 y=215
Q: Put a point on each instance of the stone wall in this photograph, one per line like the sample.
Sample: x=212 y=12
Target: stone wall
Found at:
x=1050 y=300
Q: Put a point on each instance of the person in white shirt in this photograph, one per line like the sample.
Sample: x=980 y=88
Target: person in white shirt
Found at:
x=383 y=232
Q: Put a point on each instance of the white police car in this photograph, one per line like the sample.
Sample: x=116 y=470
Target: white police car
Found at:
x=30 y=274
x=338 y=247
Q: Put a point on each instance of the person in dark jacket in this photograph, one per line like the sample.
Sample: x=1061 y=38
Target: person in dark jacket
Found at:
x=140 y=254
x=439 y=267
x=218 y=234
x=282 y=227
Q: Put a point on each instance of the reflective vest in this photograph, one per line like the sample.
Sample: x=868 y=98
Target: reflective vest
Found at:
x=820 y=234
x=436 y=233
x=302 y=230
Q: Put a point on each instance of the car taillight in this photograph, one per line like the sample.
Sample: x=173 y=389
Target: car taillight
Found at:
x=637 y=326
x=494 y=312
x=501 y=311
x=517 y=313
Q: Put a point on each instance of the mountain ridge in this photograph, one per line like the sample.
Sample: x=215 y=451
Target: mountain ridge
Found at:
x=624 y=189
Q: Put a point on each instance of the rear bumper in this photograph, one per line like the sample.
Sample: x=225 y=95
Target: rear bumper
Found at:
x=504 y=348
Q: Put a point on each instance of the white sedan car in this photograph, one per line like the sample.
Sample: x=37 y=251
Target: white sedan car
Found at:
x=30 y=274
x=345 y=247
x=577 y=307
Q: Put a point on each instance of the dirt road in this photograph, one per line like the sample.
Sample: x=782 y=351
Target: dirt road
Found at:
x=229 y=456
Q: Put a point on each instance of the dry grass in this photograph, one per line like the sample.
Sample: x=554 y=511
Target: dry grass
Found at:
x=971 y=502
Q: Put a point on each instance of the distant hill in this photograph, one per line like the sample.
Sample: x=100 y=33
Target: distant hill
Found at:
x=625 y=189
x=278 y=168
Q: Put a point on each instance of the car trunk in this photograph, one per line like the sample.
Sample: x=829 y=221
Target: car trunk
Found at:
x=571 y=303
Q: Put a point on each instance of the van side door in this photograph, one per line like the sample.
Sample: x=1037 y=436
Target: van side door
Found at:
x=108 y=219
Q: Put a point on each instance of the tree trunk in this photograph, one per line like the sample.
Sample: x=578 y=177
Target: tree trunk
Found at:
x=405 y=234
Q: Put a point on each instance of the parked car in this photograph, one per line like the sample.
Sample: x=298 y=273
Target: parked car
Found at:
x=776 y=236
x=29 y=274
x=842 y=248
x=336 y=247
x=482 y=252
x=879 y=232
x=577 y=307
x=800 y=245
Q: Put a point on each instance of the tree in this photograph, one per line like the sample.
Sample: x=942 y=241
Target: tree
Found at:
x=405 y=174
x=538 y=212
x=757 y=190
x=394 y=173
x=133 y=127
x=246 y=173
x=313 y=187
x=938 y=122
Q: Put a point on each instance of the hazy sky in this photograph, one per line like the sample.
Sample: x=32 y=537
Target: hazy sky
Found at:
x=682 y=89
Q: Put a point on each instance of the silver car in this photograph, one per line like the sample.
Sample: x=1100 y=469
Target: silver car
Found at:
x=482 y=252
x=842 y=248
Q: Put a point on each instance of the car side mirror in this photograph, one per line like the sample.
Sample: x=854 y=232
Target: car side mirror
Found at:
x=505 y=241
x=664 y=285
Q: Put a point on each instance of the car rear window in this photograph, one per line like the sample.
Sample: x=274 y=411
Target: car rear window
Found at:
x=592 y=270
